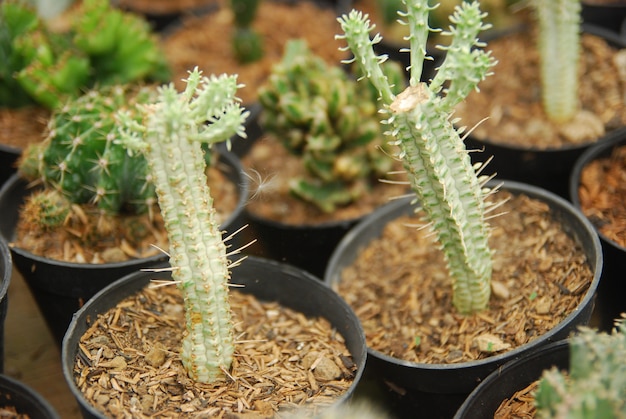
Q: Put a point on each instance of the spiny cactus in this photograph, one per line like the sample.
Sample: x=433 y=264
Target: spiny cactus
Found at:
x=83 y=158
x=595 y=385
x=319 y=113
x=559 y=51
x=170 y=134
x=247 y=43
x=434 y=155
x=104 y=46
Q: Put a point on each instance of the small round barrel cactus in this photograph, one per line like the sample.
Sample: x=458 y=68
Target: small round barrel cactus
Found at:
x=319 y=113
x=247 y=43
x=83 y=158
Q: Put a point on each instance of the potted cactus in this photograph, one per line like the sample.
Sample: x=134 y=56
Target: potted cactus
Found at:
x=170 y=133
x=543 y=118
x=321 y=148
x=93 y=213
x=41 y=68
x=429 y=361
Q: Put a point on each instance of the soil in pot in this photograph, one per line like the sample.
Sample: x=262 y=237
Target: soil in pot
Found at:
x=127 y=359
x=18 y=401
x=204 y=41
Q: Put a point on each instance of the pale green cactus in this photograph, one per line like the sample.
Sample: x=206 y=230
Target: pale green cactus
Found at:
x=434 y=155
x=171 y=135
x=594 y=386
x=559 y=51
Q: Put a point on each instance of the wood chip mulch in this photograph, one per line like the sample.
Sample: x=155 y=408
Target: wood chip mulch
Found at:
x=401 y=292
x=128 y=364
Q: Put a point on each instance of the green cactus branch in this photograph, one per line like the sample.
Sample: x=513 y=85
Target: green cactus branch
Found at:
x=171 y=135
x=434 y=155
x=559 y=51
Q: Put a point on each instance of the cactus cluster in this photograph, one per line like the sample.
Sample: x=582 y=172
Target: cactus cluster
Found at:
x=103 y=46
x=322 y=115
x=448 y=187
x=82 y=158
x=595 y=385
x=170 y=132
x=247 y=43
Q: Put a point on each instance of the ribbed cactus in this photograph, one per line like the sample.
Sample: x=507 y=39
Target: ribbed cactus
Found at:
x=319 y=113
x=171 y=134
x=104 y=46
x=83 y=158
x=559 y=51
x=595 y=385
x=434 y=155
x=247 y=43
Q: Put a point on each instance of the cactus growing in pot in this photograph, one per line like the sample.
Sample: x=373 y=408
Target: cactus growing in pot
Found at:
x=321 y=115
x=420 y=119
x=247 y=43
x=170 y=134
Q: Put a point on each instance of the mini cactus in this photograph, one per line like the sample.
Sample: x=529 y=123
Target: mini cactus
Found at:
x=420 y=120
x=595 y=385
x=559 y=51
x=247 y=43
x=319 y=113
x=82 y=158
x=104 y=46
x=170 y=134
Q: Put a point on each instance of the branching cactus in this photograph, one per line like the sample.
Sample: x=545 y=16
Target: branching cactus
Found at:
x=559 y=51
x=171 y=134
x=247 y=43
x=595 y=386
x=322 y=115
x=420 y=119
x=82 y=158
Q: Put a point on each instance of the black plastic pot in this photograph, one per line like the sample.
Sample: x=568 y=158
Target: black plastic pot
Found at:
x=265 y=279
x=60 y=288
x=24 y=399
x=6 y=269
x=8 y=158
x=439 y=389
x=609 y=15
x=514 y=376
x=610 y=292
x=546 y=168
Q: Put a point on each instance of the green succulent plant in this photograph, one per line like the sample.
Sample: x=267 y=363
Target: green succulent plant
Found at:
x=594 y=386
x=104 y=46
x=322 y=115
x=559 y=51
x=82 y=157
x=247 y=43
x=170 y=133
x=420 y=119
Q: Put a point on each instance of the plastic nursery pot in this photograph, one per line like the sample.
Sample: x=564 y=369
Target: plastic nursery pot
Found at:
x=160 y=14
x=441 y=388
x=267 y=280
x=607 y=14
x=8 y=158
x=514 y=376
x=610 y=291
x=547 y=168
x=6 y=269
x=60 y=288
x=24 y=400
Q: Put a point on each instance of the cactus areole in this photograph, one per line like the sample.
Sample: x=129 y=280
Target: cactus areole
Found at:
x=434 y=155
x=171 y=135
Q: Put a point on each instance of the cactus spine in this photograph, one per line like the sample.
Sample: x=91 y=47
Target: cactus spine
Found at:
x=595 y=386
x=420 y=118
x=321 y=115
x=559 y=51
x=171 y=135
x=83 y=159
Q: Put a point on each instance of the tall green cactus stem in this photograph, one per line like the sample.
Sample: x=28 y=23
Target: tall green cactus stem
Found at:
x=559 y=51
x=323 y=116
x=82 y=158
x=433 y=153
x=247 y=43
x=594 y=386
x=171 y=136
